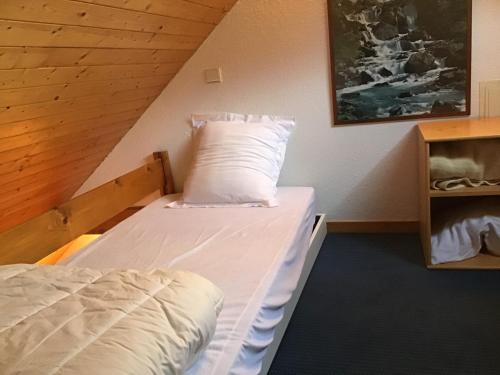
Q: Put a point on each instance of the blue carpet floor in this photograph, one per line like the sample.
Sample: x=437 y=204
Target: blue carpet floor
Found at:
x=370 y=307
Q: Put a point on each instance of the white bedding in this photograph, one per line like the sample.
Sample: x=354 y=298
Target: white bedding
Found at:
x=60 y=320
x=254 y=255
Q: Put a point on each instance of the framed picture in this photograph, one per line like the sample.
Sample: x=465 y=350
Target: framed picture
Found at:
x=395 y=60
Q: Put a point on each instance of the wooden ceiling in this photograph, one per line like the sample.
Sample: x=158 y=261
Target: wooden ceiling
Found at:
x=75 y=76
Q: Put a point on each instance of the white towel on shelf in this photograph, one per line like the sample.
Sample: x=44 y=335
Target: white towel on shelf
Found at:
x=443 y=167
x=465 y=164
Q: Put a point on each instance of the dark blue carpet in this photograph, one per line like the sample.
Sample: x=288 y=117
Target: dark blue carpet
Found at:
x=370 y=307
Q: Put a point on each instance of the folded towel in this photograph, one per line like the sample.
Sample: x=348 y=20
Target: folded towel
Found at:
x=467 y=163
x=444 y=168
x=459 y=183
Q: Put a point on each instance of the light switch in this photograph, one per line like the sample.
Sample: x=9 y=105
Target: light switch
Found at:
x=213 y=75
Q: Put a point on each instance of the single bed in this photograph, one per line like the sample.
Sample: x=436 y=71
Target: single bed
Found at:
x=259 y=257
x=255 y=255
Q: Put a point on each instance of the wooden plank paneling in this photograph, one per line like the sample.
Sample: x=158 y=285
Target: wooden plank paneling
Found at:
x=99 y=150
x=62 y=119
x=18 y=33
x=16 y=78
x=28 y=111
x=64 y=173
x=57 y=143
x=36 y=207
x=66 y=12
x=71 y=143
x=75 y=76
x=62 y=154
x=47 y=134
x=29 y=95
x=42 y=235
x=43 y=57
x=70 y=176
x=183 y=9
x=219 y=4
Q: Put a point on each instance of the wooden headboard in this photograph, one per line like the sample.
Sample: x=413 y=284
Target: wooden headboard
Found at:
x=40 y=236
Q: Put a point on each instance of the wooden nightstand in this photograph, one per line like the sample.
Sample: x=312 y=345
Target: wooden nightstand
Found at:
x=433 y=201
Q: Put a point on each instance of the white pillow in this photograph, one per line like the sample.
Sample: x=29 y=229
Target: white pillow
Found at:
x=199 y=121
x=236 y=163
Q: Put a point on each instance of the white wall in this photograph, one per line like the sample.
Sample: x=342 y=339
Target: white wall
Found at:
x=275 y=60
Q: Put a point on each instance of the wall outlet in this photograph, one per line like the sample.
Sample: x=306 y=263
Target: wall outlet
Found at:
x=213 y=75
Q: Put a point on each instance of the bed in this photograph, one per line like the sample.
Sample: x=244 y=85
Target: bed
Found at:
x=260 y=258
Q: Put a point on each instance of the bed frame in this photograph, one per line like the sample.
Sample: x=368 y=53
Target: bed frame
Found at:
x=317 y=238
x=35 y=239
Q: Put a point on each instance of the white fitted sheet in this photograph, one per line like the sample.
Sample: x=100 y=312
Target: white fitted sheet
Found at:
x=255 y=255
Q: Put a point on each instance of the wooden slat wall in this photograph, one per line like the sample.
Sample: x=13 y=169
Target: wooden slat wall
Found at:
x=75 y=75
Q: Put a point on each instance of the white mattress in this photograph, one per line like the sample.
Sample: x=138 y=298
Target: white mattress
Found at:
x=255 y=255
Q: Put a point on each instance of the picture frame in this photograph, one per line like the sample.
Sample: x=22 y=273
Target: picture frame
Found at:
x=398 y=60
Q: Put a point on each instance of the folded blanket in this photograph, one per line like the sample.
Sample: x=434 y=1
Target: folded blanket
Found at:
x=63 y=320
x=443 y=167
x=467 y=163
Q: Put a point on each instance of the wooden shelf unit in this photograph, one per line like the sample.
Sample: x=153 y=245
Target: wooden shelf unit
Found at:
x=452 y=131
x=480 y=191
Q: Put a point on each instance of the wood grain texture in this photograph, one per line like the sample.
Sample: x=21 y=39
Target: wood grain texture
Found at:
x=29 y=95
x=480 y=191
x=69 y=249
x=184 y=9
x=424 y=199
x=17 y=78
x=20 y=33
x=469 y=129
x=75 y=76
x=29 y=111
x=168 y=186
x=67 y=12
x=43 y=57
x=372 y=226
x=481 y=262
x=38 y=237
x=431 y=207
x=55 y=121
x=115 y=220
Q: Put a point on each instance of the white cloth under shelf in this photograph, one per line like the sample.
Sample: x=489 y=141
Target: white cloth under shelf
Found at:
x=461 y=232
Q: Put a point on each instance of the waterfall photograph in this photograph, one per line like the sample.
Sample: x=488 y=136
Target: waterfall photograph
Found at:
x=400 y=59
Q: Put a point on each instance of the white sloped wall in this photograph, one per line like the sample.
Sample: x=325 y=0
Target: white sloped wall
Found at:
x=275 y=60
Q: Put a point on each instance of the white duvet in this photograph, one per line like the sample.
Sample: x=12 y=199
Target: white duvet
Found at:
x=62 y=320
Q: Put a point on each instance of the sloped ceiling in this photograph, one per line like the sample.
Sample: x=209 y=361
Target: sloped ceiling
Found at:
x=75 y=75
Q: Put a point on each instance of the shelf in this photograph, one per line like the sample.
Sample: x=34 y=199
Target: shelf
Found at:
x=460 y=130
x=466 y=192
x=432 y=201
x=482 y=261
